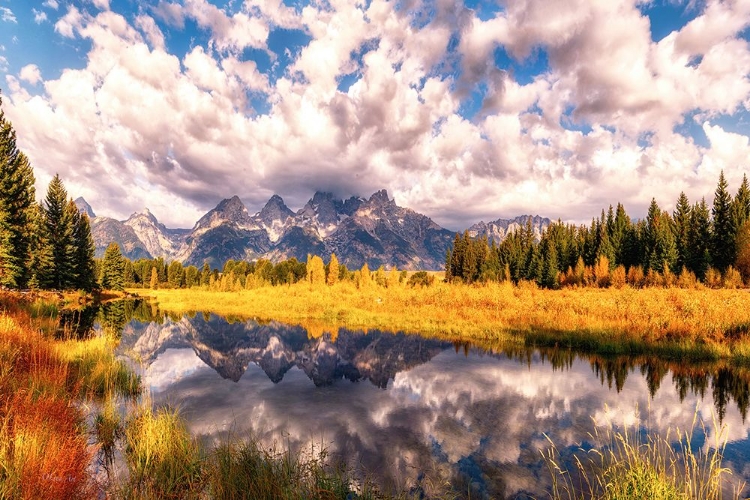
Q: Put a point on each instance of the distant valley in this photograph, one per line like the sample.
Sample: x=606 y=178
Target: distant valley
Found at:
x=357 y=230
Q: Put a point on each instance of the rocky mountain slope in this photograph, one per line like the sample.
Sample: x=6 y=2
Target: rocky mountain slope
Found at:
x=498 y=229
x=357 y=230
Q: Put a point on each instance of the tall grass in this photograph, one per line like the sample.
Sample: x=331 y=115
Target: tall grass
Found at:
x=163 y=459
x=629 y=463
x=44 y=451
x=672 y=322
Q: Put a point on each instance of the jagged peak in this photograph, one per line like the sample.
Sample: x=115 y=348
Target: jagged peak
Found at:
x=230 y=203
x=379 y=197
x=84 y=207
x=275 y=208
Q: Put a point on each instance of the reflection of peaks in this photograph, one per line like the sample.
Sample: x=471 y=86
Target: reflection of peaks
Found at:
x=229 y=348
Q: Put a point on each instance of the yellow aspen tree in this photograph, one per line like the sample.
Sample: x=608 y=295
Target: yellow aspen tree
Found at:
x=333 y=271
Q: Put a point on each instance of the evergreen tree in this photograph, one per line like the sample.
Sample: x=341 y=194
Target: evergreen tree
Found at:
x=85 y=249
x=618 y=234
x=660 y=250
x=205 y=274
x=8 y=272
x=59 y=223
x=722 y=231
x=682 y=215
x=113 y=268
x=741 y=205
x=699 y=240
x=16 y=203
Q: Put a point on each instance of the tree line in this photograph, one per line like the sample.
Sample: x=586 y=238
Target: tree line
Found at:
x=241 y=275
x=692 y=244
x=42 y=245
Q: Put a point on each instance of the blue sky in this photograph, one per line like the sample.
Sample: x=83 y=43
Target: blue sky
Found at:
x=552 y=107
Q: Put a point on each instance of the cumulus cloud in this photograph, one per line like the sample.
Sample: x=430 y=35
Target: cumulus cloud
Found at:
x=31 y=74
x=595 y=126
x=52 y=4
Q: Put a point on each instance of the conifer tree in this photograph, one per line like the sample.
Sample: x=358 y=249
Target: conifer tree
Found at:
x=722 y=231
x=8 y=272
x=205 y=274
x=16 y=202
x=699 y=239
x=83 y=241
x=741 y=205
x=113 y=268
x=681 y=218
x=59 y=223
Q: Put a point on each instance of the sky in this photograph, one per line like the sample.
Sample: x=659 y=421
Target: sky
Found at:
x=463 y=111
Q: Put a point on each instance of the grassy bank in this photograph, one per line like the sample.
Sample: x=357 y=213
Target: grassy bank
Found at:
x=672 y=322
x=60 y=422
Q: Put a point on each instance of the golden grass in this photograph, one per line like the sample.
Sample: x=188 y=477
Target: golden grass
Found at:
x=626 y=464
x=703 y=323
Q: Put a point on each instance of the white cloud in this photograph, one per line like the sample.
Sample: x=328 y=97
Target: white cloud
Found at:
x=153 y=34
x=52 y=4
x=30 y=73
x=72 y=20
x=39 y=16
x=3 y=63
x=145 y=121
x=7 y=15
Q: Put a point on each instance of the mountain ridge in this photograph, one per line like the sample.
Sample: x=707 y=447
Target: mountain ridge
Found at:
x=358 y=230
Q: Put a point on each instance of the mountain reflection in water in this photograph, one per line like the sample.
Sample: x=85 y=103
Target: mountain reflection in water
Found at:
x=435 y=412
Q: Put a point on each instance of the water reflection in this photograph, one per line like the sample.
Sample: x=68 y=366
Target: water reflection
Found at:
x=432 y=413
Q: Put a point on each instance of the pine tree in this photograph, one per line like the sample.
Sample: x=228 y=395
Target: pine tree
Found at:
x=741 y=205
x=205 y=274
x=722 y=231
x=85 y=249
x=113 y=268
x=16 y=202
x=659 y=245
x=8 y=272
x=681 y=216
x=59 y=223
x=699 y=239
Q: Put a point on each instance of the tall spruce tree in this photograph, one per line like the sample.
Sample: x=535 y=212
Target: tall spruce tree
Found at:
x=741 y=204
x=59 y=223
x=722 y=228
x=699 y=239
x=8 y=272
x=113 y=268
x=42 y=268
x=16 y=202
x=681 y=218
x=83 y=241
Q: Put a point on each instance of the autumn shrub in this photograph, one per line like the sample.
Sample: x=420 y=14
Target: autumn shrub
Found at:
x=618 y=278
x=731 y=279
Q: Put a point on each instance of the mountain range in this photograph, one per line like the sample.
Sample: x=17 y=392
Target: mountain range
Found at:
x=357 y=230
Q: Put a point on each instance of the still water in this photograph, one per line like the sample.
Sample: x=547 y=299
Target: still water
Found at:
x=420 y=414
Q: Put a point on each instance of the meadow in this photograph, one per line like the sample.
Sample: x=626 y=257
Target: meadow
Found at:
x=675 y=323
